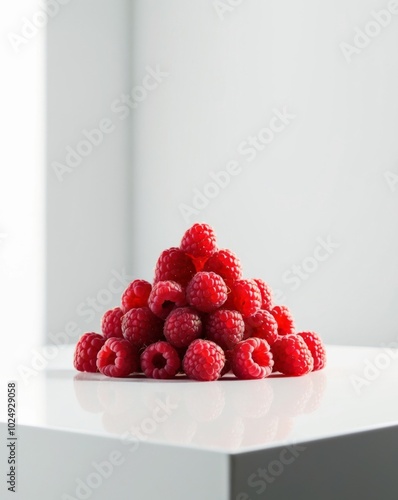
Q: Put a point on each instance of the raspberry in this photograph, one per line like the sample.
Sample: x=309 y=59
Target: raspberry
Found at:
x=174 y=264
x=316 y=347
x=160 y=360
x=226 y=264
x=292 y=356
x=284 y=319
x=206 y=291
x=266 y=294
x=136 y=295
x=203 y=360
x=199 y=241
x=263 y=326
x=182 y=326
x=164 y=296
x=141 y=327
x=111 y=323
x=251 y=359
x=86 y=350
x=225 y=328
x=245 y=297
x=117 y=358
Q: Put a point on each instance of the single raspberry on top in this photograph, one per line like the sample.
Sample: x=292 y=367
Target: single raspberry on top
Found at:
x=111 y=323
x=86 y=350
x=245 y=297
x=118 y=358
x=174 y=264
x=141 y=327
x=136 y=295
x=251 y=359
x=292 y=356
x=225 y=328
x=203 y=360
x=182 y=326
x=263 y=326
x=166 y=295
x=316 y=347
x=199 y=241
x=266 y=294
x=226 y=264
x=206 y=291
x=160 y=360
x=284 y=318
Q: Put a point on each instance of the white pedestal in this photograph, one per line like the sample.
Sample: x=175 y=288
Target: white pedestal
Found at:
x=317 y=437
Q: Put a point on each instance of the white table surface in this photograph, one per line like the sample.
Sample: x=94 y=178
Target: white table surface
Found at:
x=218 y=424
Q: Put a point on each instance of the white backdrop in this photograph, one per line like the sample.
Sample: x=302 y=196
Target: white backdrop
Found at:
x=322 y=176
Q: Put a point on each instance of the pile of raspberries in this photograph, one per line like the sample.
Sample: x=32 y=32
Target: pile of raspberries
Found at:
x=201 y=318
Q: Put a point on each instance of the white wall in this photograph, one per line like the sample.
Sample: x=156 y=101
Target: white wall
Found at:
x=323 y=176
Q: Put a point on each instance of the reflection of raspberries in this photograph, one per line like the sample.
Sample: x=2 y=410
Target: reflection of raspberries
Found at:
x=292 y=356
x=175 y=265
x=263 y=326
x=266 y=294
x=206 y=291
x=316 y=347
x=251 y=358
x=245 y=297
x=182 y=326
x=203 y=360
x=118 y=358
x=284 y=319
x=199 y=241
x=164 y=297
x=225 y=328
x=226 y=264
x=136 y=295
x=141 y=327
x=86 y=350
x=111 y=323
x=160 y=360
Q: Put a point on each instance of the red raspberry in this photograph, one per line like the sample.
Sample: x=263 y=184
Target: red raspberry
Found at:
x=86 y=350
x=141 y=327
x=227 y=365
x=251 y=359
x=164 y=297
x=118 y=358
x=203 y=360
x=316 y=347
x=245 y=297
x=284 y=319
x=266 y=294
x=292 y=356
x=226 y=264
x=174 y=264
x=199 y=241
x=160 y=360
x=136 y=295
x=206 y=291
x=263 y=326
x=225 y=328
x=183 y=325
x=111 y=323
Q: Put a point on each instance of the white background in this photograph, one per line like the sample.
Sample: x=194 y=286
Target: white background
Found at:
x=323 y=176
